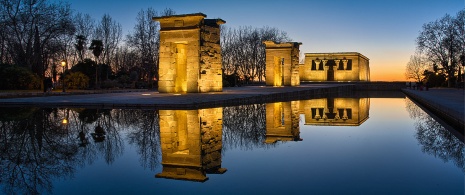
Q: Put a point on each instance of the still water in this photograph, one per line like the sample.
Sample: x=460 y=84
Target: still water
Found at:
x=322 y=146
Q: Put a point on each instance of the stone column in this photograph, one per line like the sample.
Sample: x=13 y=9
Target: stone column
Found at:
x=337 y=64
x=324 y=64
x=317 y=62
x=325 y=68
x=345 y=64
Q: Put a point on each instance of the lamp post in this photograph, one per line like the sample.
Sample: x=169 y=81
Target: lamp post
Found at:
x=63 y=65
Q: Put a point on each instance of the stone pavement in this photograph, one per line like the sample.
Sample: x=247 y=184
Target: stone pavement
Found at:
x=152 y=99
x=445 y=102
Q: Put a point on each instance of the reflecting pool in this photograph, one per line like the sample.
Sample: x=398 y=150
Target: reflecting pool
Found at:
x=340 y=145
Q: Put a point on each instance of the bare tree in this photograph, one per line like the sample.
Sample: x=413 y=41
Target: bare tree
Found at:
x=243 y=51
x=144 y=40
x=32 y=31
x=416 y=67
x=459 y=23
x=110 y=32
x=19 y=19
x=439 y=41
x=85 y=27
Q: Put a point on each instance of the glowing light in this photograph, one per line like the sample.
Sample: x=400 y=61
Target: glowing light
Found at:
x=146 y=94
x=65 y=121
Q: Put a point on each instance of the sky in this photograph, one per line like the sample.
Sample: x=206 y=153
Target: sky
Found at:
x=382 y=30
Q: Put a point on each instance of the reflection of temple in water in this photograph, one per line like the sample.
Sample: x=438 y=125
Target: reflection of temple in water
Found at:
x=335 y=111
x=282 y=122
x=282 y=118
x=191 y=143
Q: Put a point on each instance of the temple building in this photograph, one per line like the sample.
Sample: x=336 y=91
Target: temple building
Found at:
x=191 y=143
x=190 y=54
x=282 y=63
x=342 y=66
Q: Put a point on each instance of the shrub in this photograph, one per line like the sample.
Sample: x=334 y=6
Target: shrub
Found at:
x=76 y=80
x=15 y=77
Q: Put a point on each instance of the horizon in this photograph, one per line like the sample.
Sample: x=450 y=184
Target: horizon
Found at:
x=383 y=31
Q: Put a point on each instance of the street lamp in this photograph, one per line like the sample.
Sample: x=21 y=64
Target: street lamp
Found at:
x=63 y=64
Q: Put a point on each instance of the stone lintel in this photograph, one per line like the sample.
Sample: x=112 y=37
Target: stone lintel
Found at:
x=180 y=21
x=214 y=22
x=179 y=28
x=277 y=45
x=335 y=55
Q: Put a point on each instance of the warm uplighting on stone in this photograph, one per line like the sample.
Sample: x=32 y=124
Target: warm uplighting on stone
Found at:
x=191 y=143
x=190 y=54
x=335 y=111
x=282 y=122
x=344 y=66
x=282 y=63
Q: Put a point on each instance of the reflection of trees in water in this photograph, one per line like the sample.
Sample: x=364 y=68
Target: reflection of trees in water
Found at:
x=434 y=138
x=244 y=126
x=36 y=145
x=113 y=145
x=33 y=151
x=144 y=132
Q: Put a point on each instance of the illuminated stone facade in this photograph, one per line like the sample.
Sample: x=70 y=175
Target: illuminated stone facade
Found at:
x=191 y=143
x=282 y=122
x=344 y=66
x=335 y=111
x=282 y=63
x=190 y=54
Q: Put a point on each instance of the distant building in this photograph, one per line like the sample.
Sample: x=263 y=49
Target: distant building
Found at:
x=341 y=66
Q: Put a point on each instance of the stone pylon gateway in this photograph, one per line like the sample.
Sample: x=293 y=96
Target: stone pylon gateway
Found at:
x=190 y=54
x=282 y=63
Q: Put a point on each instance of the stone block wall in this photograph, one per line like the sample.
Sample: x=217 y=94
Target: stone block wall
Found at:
x=211 y=139
x=282 y=63
x=190 y=54
x=211 y=78
x=282 y=121
x=191 y=143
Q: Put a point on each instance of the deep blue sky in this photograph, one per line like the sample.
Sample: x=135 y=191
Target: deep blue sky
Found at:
x=383 y=30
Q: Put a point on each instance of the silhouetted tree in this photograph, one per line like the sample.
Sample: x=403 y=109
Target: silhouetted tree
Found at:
x=416 y=67
x=97 y=48
x=80 y=45
x=440 y=42
x=19 y=20
x=243 y=51
x=110 y=33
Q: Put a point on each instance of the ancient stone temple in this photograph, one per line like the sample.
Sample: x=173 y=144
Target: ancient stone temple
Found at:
x=343 y=66
x=191 y=143
x=335 y=111
x=190 y=54
x=282 y=63
x=282 y=122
